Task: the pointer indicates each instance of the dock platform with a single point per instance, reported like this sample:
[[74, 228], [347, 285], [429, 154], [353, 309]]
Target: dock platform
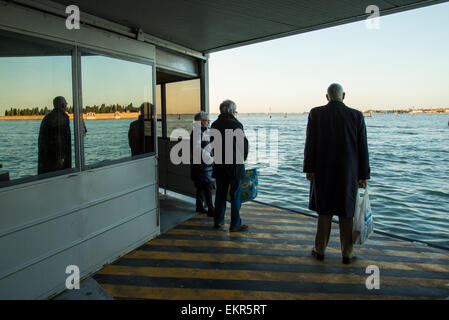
[[271, 261]]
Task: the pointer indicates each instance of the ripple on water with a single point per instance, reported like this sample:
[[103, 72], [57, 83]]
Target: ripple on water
[[409, 156], [409, 189]]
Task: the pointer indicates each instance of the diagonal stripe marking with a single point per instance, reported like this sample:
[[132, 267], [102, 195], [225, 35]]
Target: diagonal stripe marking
[[256, 275], [288, 260], [122, 291], [295, 247]]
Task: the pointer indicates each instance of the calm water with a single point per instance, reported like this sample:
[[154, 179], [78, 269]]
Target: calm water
[[409, 157]]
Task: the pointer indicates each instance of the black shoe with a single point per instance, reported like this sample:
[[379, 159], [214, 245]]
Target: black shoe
[[243, 227], [201, 210], [349, 260], [317, 255], [218, 226], [210, 213]]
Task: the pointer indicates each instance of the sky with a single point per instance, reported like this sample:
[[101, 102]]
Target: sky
[[403, 64], [30, 82]]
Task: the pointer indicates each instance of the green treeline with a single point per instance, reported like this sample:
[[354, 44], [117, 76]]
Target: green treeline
[[95, 109], [27, 112], [110, 109]]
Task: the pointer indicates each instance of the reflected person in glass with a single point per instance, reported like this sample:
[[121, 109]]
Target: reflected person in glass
[[138, 141], [55, 142]]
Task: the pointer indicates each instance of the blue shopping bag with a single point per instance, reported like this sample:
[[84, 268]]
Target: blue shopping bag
[[250, 186]]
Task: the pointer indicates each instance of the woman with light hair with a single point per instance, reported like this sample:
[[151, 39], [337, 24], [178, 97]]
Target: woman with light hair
[[201, 163]]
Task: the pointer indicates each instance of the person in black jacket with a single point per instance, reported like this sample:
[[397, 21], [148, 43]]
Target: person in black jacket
[[201, 163], [229, 167], [336, 163], [55, 139]]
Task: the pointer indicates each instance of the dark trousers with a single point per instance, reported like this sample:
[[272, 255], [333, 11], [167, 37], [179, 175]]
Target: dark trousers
[[204, 195], [236, 201], [324, 231]]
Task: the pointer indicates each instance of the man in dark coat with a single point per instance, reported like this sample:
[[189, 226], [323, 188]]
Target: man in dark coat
[[201, 163], [336, 162], [229, 167], [138, 141], [55, 139]]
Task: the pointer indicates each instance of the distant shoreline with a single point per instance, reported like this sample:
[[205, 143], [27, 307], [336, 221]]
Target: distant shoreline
[[89, 116], [135, 115]]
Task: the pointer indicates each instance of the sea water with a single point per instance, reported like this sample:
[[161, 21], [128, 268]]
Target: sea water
[[409, 158]]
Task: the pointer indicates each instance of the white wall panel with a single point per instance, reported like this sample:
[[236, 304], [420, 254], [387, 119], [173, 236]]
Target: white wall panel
[[110, 201], [56, 235], [31, 203], [48, 277], [126, 177]]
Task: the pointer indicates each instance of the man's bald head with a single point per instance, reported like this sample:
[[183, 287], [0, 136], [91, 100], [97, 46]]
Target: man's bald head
[[335, 92], [60, 103]]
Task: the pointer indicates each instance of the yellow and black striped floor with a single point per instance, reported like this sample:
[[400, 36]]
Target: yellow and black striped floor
[[271, 261]]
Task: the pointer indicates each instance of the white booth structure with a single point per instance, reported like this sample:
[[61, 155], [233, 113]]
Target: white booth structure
[[106, 203]]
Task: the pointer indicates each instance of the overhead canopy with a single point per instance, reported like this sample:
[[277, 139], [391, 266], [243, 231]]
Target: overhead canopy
[[212, 25]]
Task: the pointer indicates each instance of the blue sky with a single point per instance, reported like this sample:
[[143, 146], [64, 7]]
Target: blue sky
[[403, 64], [29, 82]]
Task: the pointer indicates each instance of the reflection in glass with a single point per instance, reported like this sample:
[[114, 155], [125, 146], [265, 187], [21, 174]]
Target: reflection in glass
[[113, 90], [183, 102], [55, 149], [140, 134], [32, 73]]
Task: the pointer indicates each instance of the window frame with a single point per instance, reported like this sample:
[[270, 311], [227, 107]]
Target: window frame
[[164, 120], [77, 167], [82, 50], [76, 67]]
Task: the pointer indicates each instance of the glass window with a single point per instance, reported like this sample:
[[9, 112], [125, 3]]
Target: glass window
[[36, 105], [118, 109], [183, 102]]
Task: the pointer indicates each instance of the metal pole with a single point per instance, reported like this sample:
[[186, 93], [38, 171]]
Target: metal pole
[[164, 110]]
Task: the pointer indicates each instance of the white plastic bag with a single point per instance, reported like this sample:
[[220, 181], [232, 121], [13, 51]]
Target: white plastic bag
[[363, 218]]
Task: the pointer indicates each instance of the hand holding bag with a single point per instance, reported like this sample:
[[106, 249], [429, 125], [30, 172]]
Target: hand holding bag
[[363, 218]]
